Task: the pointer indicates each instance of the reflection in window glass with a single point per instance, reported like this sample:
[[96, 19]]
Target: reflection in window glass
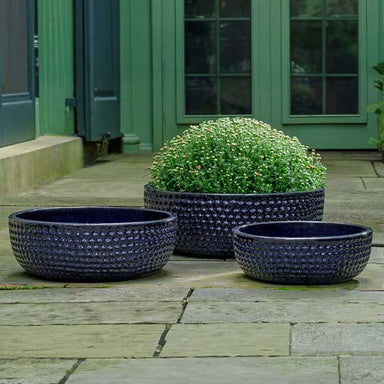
[[199, 8], [307, 8], [342, 95], [215, 49], [13, 45], [235, 47], [236, 95], [306, 96], [201, 95], [342, 54], [235, 8], [306, 46], [342, 8], [324, 57], [200, 47]]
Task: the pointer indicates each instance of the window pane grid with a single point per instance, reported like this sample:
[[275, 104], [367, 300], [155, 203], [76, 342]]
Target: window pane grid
[[230, 71], [301, 89]]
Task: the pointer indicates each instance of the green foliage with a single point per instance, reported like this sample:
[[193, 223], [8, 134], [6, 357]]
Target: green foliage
[[378, 107], [236, 155]]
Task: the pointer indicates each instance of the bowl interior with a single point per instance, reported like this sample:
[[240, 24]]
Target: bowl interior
[[302, 230], [92, 215]]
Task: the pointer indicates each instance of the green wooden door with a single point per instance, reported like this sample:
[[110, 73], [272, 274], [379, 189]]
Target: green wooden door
[[98, 68], [17, 71], [302, 65]]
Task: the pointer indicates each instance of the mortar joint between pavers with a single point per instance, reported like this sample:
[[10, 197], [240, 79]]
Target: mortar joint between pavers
[[162, 341], [71, 371], [185, 304]]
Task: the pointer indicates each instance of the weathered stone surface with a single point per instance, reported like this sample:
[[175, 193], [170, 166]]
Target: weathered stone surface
[[193, 273], [347, 168], [350, 155], [88, 295], [334, 339], [378, 238], [25, 371], [79, 341], [362, 370], [287, 311], [6, 211], [283, 293], [379, 168], [377, 255], [343, 185], [191, 340], [374, 184], [90, 313], [245, 370]]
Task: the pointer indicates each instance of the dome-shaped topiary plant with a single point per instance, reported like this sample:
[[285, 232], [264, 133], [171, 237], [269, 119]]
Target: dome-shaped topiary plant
[[236, 155]]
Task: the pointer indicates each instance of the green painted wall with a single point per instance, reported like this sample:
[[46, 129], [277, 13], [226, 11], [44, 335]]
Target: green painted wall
[[136, 75], [56, 66], [269, 94]]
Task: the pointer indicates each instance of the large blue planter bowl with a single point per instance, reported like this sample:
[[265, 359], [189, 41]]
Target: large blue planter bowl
[[302, 252], [206, 220], [92, 243]]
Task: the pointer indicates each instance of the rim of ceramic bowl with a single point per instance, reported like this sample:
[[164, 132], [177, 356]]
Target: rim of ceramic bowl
[[362, 231], [148, 187], [168, 216]]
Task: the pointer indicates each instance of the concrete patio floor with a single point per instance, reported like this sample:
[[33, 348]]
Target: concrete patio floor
[[198, 321]]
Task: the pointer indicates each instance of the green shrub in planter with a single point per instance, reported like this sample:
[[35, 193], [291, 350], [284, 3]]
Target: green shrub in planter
[[224, 173], [236, 155]]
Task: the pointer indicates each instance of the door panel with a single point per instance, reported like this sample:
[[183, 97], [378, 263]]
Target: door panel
[[17, 71], [98, 87]]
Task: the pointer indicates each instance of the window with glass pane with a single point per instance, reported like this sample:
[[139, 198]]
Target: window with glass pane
[[217, 37], [324, 57], [13, 45]]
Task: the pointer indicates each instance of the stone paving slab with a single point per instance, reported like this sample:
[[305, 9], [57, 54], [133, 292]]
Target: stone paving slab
[[342, 185], [377, 255], [90, 313], [227, 274], [364, 155], [283, 293], [362, 370], [379, 168], [245, 370], [286, 311], [196, 340], [374, 184], [335, 339], [79, 341], [108, 171], [91, 295], [194, 273], [5, 211], [347, 168], [26, 371]]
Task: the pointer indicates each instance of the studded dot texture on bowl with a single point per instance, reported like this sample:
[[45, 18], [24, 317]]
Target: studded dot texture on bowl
[[92, 243], [206, 220], [302, 252]]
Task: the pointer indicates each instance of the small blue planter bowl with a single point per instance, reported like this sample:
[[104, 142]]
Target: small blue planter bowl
[[92, 243], [302, 252]]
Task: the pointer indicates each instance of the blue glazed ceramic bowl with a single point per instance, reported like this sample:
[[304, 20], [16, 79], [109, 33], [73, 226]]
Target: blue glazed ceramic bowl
[[206, 220], [298, 252], [92, 243]]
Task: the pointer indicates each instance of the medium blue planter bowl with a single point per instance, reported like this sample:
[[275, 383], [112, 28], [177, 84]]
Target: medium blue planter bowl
[[92, 243], [302, 252]]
